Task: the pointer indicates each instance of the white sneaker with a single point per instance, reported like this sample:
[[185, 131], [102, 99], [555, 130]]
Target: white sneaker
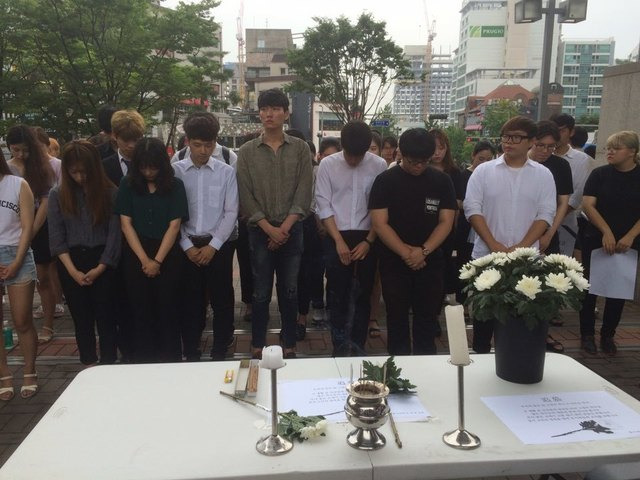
[[59, 311], [318, 315], [38, 312]]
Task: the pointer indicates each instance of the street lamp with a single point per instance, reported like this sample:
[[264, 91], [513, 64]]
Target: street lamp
[[529, 11]]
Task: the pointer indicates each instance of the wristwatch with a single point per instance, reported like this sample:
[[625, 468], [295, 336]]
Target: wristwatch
[[425, 251]]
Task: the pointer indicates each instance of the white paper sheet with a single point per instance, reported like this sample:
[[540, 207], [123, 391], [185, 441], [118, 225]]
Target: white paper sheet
[[613, 276], [565, 417], [325, 396]]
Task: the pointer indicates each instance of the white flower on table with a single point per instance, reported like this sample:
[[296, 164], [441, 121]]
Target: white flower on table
[[578, 280], [500, 258], [568, 262], [482, 261], [487, 279], [467, 271], [559, 282], [314, 431], [529, 286], [321, 427], [523, 252]]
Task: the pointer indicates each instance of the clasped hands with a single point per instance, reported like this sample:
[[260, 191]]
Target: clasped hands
[[346, 256], [201, 256], [86, 279], [278, 236], [610, 245], [414, 258]]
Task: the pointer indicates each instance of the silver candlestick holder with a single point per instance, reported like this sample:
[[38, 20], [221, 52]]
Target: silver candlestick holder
[[460, 437], [273, 444], [367, 410]]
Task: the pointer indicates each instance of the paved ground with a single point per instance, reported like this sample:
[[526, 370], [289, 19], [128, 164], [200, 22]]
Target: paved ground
[[58, 363]]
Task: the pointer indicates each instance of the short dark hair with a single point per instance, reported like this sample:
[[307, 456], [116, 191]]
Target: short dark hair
[[201, 126], [274, 97], [417, 143], [294, 132], [391, 140], [522, 123], [151, 152], [312, 147], [484, 145], [377, 139], [579, 137], [563, 120], [329, 142], [547, 127], [355, 137], [104, 117]]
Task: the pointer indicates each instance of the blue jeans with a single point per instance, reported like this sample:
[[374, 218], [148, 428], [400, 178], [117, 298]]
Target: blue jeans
[[285, 262]]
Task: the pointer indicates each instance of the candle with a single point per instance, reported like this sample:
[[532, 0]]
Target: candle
[[272, 357], [457, 333]]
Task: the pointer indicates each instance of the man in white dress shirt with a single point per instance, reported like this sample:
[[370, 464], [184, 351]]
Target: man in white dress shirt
[[343, 184], [510, 203], [581, 165], [212, 192]]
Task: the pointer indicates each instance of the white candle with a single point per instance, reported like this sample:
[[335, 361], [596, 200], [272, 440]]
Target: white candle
[[457, 333], [272, 357]]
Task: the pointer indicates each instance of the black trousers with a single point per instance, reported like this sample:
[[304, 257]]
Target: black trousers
[[155, 304], [123, 312], [244, 263], [91, 306], [612, 306], [310, 278], [213, 283], [420, 290]]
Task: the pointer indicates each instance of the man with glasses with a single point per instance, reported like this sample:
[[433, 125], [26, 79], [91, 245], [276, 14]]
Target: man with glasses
[[581, 165], [412, 211], [510, 203]]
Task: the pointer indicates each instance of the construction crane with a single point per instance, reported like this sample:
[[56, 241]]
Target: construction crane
[[431, 33], [241, 59]]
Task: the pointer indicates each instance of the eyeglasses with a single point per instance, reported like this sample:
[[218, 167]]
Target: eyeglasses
[[545, 146], [515, 139]]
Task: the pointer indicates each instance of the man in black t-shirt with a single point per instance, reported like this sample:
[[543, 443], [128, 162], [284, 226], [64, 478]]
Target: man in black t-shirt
[[412, 210], [541, 151]]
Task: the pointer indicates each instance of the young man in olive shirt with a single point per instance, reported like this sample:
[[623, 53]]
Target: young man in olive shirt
[[275, 180], [412, 211]]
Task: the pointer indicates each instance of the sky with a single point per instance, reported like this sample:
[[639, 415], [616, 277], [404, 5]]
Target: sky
[[406, 23]]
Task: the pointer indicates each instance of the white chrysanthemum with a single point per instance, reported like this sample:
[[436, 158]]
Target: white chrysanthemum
[[500, 258], [578, 280], [573, 264], [321, 427], [308, 432], [558, 281], [482, 261], [524, 252], [529, 286], [467, 271], [487, 279]]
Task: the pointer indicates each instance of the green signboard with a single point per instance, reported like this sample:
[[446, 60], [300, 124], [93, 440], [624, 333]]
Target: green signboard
[[485, 31]]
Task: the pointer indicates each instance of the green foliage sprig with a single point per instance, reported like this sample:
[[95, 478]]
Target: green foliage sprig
[[294, 427], [395, 383]]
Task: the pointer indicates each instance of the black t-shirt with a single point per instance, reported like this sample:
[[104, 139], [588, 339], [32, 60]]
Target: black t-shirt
[[457, 179], [617, 199], [561, 171], [413, 203], [464, 227]]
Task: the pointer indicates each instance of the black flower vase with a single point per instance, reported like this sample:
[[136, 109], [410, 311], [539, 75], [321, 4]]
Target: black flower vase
[[520, 351]]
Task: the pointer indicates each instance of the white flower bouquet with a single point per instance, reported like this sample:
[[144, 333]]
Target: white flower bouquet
[[523, 284]]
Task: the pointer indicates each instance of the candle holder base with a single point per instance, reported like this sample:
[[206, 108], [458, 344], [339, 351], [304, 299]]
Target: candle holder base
[[366, 439], [272, 445], [461, 439]]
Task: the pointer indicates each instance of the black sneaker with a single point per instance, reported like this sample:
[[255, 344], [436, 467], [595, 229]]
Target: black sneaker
[[608, 346], [301, 332], [588, 344]]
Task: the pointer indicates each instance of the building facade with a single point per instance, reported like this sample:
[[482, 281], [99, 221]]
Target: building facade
[[409, 96], [580, 70]]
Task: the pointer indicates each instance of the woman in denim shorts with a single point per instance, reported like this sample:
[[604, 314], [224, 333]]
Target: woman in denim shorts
[[18, 274]]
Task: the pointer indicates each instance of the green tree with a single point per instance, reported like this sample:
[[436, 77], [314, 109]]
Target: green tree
[[457, 141], [234, 98], [350, 67], [588, 119], [497, 114], [129, 53]]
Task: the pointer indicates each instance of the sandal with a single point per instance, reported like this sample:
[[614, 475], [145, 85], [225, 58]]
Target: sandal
[[553, 345], [6, 390], [374, 332], [46, 335], [28, 391]]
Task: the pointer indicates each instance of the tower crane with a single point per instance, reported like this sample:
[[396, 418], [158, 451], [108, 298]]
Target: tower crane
[[431, 33], [241, 58]]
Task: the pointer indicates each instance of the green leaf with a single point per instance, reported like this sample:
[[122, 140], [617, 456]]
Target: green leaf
[[395, 383]]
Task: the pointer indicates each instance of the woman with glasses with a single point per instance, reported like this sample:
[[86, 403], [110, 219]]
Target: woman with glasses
[[611, 201], [152, 204]]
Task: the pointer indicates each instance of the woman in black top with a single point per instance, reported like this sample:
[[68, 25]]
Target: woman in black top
[[611, 201], [152, 203], [84, 233]]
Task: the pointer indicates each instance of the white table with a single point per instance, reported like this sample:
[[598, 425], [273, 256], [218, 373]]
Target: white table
[[169, 422]]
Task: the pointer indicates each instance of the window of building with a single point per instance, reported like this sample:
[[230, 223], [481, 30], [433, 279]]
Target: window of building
[[260, 43]]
